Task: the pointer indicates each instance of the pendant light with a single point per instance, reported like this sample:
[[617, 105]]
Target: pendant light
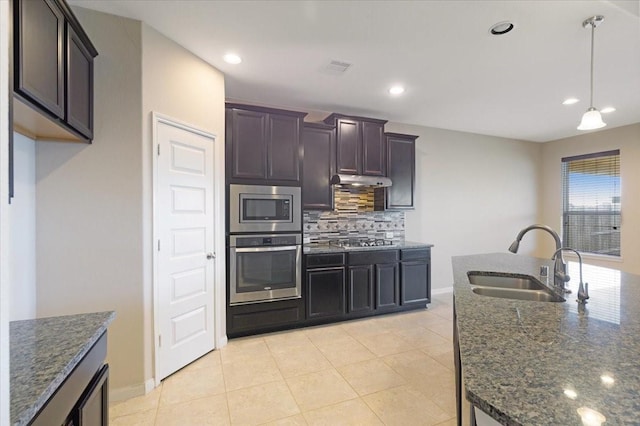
[[592, 119]]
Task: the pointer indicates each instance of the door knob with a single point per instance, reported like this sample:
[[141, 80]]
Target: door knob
[[210, 256]]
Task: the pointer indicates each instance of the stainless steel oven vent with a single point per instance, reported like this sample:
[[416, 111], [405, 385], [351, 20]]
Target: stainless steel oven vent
[[360, 180]]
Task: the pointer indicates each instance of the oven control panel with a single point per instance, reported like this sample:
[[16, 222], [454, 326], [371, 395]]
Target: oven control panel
[[265, 240]]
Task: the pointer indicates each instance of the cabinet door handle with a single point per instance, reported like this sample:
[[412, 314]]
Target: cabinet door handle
[[210, 256]]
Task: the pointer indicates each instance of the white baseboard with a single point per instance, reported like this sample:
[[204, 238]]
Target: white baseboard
[[222, 342], [442, 290], [121, 394]]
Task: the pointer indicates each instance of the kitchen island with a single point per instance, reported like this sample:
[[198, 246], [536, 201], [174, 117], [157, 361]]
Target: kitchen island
[[541, 363], [52, 361]]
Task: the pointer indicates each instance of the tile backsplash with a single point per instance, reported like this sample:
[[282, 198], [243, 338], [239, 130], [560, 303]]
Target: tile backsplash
[[354, 217]]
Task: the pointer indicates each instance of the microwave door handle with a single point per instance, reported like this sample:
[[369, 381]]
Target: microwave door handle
[[262, 249]]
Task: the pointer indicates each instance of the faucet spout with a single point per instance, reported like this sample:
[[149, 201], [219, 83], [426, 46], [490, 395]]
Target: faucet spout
[[583, 288], [560, 267], [516, 244]]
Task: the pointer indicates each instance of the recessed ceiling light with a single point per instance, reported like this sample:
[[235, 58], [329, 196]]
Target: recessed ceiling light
[[607, 110], [396, 90], [501, 28], [570, 101], [232, 58]]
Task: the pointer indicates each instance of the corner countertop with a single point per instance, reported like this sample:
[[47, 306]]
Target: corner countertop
[[43, 352], [519, 357], [329, 248]]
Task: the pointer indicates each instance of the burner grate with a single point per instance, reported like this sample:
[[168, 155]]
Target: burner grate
[[363, 242]]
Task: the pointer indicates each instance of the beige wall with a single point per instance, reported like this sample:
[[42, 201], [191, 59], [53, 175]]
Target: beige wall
[[89, 203], [94, 202], [473, 194], [179, 85], [22, 230], [627, 139]]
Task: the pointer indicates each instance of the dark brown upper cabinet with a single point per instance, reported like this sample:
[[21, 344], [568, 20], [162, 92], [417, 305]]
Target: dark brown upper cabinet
[[318, 165], [79, 84], [373, 155], [263, 145], [283, 147], [349, 147], [359, 145], [39, 54], [401, 165], [52, 72]]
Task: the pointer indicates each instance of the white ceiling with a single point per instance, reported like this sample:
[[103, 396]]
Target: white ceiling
[[457, 75]]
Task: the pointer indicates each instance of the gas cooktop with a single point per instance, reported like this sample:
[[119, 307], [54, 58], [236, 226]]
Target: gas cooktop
[[366, 242]]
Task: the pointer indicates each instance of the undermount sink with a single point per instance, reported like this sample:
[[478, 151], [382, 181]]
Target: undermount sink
[[511, 286], [497, 279], [509, 293]]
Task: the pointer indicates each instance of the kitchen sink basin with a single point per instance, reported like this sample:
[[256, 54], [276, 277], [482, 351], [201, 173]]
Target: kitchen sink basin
[[502, 280], [509, 293], [511, 286]]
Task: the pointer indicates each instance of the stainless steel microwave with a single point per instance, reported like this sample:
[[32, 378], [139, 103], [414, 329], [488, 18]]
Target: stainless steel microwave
[[258, 208]]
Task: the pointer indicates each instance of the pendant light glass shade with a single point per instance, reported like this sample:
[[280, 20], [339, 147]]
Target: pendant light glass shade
[[591, 120]]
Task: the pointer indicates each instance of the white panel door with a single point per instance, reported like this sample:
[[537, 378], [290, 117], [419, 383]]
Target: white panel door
[[185, 265]]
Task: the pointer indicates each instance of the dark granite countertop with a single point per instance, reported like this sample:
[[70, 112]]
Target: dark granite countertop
[[327, 248], [535, 363], [42, 354]]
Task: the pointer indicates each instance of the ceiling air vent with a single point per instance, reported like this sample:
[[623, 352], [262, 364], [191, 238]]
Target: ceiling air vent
[[336, 67]]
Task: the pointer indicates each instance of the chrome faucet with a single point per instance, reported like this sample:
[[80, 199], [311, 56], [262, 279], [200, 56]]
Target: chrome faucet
[[560, 267], [583, 289]]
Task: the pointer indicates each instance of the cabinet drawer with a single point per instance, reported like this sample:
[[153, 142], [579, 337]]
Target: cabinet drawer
[[372, 257], [410, 254], [324, 260], [256, 320]]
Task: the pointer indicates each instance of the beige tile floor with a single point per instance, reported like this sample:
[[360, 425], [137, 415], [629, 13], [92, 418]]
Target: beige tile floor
[[389, 370]]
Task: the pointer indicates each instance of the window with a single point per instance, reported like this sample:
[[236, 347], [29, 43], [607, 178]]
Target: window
[[591, 203]]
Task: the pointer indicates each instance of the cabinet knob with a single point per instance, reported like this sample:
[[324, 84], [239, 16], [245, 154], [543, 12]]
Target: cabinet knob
[[211, 256]]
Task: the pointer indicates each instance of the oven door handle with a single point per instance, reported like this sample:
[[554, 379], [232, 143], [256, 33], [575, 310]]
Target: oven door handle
[[263, 249]]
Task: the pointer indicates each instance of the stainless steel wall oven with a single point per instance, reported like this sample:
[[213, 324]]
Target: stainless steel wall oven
[[264, 268]]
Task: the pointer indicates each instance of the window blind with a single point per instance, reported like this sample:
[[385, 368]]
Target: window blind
[[591, 202]]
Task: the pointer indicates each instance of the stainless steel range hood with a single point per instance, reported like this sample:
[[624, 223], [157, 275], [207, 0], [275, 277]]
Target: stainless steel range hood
[[360, 180]]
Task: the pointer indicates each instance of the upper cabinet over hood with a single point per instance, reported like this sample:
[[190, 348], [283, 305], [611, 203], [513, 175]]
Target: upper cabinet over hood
[[360, 148]]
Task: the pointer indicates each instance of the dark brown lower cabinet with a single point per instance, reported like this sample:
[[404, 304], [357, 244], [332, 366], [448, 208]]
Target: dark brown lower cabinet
[[360, 285], [340, 286], [93, 408], [82, 399], [326, 292], [373, 281], [415, 273], [387, 286]]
